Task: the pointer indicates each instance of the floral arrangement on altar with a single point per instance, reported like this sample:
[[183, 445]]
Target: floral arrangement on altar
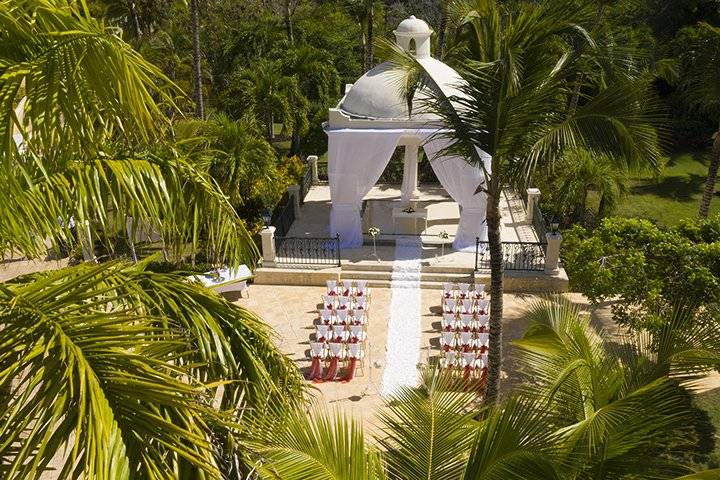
[[409, 210]]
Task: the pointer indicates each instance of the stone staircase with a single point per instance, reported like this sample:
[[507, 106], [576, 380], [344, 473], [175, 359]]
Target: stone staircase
[[379, 274]]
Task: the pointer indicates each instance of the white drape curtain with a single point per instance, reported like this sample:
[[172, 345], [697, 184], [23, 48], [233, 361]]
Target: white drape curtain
[[461, 180], [356, 160]]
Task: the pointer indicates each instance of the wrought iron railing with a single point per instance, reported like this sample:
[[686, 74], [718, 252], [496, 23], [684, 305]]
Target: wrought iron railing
[[307, 251], [539, 223], [284, 218], [528, 256], [306, 184]]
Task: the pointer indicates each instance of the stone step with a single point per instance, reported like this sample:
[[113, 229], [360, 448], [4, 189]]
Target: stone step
[[438, 278]]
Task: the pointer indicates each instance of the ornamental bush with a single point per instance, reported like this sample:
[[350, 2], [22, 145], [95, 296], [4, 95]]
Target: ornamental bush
[[645, 267]]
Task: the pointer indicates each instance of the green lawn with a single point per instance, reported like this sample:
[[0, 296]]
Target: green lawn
[[710, 402], [675, 195]]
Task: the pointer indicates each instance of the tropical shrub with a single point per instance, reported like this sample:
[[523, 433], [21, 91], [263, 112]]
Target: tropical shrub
[[644, 266]]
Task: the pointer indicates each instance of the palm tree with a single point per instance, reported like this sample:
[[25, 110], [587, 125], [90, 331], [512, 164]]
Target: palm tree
[[197, 73], [83, 153], [514, 107], [121, 367], [590, 409], [701, 65], [271, 95]]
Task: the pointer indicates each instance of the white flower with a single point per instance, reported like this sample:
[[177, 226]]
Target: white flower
[[374, 231], [444, 235]]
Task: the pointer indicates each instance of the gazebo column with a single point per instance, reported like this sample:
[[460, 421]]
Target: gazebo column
[[410, 174]]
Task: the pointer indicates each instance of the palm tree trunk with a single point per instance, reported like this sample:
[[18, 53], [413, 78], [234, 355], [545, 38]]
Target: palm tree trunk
[[712, 177], [288, 22], [370, 21], [197, 93], [496, 293], [441, 29], [135, 19]]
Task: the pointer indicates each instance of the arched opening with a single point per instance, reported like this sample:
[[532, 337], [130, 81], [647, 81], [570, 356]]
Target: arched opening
[[411, 47]]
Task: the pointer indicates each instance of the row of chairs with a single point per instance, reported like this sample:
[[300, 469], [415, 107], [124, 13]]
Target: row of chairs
[[467, 322], [343, 317], [340, 333], [465, 341], [347, 288], [463, 290], [466, 360], [467, 305], [337, 302]]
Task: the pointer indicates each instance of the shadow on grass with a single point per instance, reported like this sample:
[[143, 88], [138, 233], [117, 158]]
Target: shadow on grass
[[680, 188]]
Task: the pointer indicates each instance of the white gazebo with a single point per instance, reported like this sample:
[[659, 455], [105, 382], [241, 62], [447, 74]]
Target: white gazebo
[[372, 119]]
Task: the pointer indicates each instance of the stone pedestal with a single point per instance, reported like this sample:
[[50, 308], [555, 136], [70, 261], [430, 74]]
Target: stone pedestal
[[533, 196], [552, 255], [313, 164], [294, 197], [267, 236]]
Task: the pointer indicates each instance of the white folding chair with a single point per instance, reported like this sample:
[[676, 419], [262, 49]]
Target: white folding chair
[[450, 305], [466, 321], [467, 306], [336, 349], [339, 334], [483, 339], [447, 290], [347, 287], [317, 349], [342, 316], [326, 316], [479, 290], [482, 306], [484, 359], [343, 303], [321, 333], [331, 287], [329, 301], [448, 321], [359, 317], [361, 303], [469, 359], [357, 333], [464, 290], [448, 340], [483, 321], [466, 340], [356, 350], [450, 359], [360, 288]]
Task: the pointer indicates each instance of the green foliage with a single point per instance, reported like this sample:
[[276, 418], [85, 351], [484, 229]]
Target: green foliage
[[121, 366], [648, 267], [567, 185]]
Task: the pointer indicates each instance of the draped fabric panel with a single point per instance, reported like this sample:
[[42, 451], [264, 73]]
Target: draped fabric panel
[[461, 180], [356, 160]]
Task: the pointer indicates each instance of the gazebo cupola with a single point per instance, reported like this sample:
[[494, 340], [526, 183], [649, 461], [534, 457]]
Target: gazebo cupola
[[413, 35]]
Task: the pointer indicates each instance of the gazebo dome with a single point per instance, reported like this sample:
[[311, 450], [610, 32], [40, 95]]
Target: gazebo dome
[[376, 95], [413, 25]]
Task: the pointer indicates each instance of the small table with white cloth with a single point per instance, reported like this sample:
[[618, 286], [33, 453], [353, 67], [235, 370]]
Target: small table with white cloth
[[406, 222]]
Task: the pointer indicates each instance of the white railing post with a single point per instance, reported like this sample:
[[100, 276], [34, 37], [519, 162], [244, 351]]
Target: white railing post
[[552, 254], [533, 196], [267, 236], [312, 161], [294, 197]]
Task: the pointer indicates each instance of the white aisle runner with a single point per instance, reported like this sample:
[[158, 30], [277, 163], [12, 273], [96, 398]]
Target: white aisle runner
[[403, 341]]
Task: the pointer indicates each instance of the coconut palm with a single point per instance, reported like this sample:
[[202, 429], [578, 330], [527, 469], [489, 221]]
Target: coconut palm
[[111, 371], [514, 106], [197, 71], [701, 65], [84, 131], [270, 95]]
